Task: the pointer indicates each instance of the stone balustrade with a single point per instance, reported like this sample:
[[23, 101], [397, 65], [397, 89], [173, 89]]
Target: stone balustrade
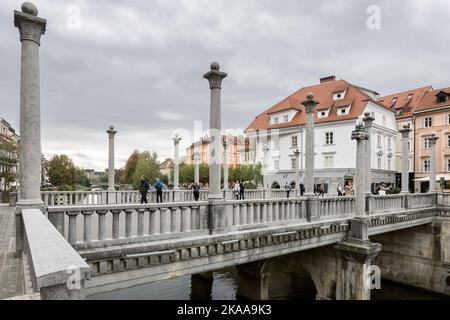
[[385, 204], [444, 199], [335, 207], [420, 200], [57, 271], [95, 225]]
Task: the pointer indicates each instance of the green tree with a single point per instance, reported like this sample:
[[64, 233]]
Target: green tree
[[130, 166], [80, 179], [8, 160], [61, 172], [148, 166]]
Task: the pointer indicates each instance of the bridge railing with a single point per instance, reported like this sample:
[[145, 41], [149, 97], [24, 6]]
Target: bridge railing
[[333, 207], [420, 200], [385, 204], [56, 270], [96, 224], [444, 199], [261, 212]]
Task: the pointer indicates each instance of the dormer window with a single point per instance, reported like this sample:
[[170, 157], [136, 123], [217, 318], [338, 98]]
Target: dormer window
[[398, 111], [285, 118], [343, 111], [410, 96], [324, 113], [394, 100], [338, 95], [442, 97]]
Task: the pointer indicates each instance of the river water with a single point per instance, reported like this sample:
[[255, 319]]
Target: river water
[[225, 287]]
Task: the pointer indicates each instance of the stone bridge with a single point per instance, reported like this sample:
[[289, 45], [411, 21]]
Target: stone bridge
[[123, 245]]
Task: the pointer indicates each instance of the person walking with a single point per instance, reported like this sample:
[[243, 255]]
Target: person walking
[[287, 187], [340, 190], [159, 190], [321, 190], [241, 191], [196, 190], [143, 189], [302, 189], [236, 189]]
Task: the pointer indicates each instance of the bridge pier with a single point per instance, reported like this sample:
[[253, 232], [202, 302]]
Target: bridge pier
[[201, 286], [418, 257]]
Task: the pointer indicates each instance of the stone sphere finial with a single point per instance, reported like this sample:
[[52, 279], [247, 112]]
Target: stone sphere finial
[[310, 96], [367, 114], [29, 8], [111, 128], [215, 66]]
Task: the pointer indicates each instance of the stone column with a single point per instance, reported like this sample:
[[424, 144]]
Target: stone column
[[433, 139], [31, 27], [368, 119], [297, 169], [111, 133], [310, 105], [197, 167], [176, 161], [265, 164], [405, 158], [225, 163], [215, 78], [360, 135]]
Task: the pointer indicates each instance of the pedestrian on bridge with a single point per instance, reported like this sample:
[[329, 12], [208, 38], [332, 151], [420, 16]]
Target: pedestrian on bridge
[[236, 190], [196, 190], [241, 190], [302, 189], [159, 190], [143, 189], [287, 187]]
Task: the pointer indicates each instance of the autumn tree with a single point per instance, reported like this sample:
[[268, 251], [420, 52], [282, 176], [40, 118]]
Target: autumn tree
[[61, 172]]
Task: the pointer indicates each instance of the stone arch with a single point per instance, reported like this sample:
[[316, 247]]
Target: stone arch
[[292, 184], [283, 278], [275, 185]]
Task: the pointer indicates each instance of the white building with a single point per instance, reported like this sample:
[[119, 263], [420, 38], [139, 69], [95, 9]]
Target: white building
[[282, 129]]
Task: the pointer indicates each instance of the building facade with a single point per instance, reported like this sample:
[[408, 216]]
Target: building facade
[[8, 157], [432, 117], [240, 150], [404, 104], [279, 133]]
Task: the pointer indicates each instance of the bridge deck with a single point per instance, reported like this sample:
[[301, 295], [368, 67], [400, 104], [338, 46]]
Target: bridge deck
[[11, 271]]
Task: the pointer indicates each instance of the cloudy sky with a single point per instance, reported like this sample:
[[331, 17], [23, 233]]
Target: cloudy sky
[[138, 64]]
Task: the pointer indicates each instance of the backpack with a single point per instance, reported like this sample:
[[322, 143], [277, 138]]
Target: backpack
[[158, 186]]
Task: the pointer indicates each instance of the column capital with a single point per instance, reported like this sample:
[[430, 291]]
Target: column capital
[[368, 119], [176, 139], [30, 26], [310, 103], [111, 132], [433, 139], [405, 131], [359, 133], [215, 76]]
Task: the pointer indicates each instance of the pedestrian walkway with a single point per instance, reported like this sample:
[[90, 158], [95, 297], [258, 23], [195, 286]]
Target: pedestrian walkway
[[11, 271]]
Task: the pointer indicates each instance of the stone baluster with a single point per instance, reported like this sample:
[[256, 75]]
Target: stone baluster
[[165, 220], [175, 220], [236, 221], [152, 228], [87, 230], [249, 213], [243, 214], [195, 218], [116, 223], [128, 223], [140, 226], [72, 226], [102, 224], [185, 219], [257, 213]]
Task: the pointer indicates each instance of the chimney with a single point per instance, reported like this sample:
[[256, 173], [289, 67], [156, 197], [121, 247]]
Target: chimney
[[328, 79]]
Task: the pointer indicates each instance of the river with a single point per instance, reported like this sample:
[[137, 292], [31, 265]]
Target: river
[[225, 287]]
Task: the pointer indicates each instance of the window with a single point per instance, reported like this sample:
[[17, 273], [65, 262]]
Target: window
[[448, 140], [294, 142], [441, 97], [379, 162], [276, 164], [448, 164], [293, 163], [398, 111], [276, 143], [427, 122], [410, 96], [394, 99], [329, 138], [328, 161], [409, 145], [426, 143], [448, 118], [342, 111], [426, 165], [275, 120], [379, 141], [286, 118]]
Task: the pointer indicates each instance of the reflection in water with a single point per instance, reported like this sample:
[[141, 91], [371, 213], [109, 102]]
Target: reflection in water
[[223, 285]]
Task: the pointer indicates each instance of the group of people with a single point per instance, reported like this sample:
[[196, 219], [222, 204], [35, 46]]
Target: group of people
[[145, 187], [238, 190], [346, 190]]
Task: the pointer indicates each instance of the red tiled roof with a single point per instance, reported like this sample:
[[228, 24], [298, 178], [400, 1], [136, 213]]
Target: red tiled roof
[[323, 92], [407, 105], [429, 100]]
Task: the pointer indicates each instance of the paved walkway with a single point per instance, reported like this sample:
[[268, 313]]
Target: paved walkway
[[11, 272]]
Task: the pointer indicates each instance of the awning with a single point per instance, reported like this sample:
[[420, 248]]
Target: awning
[[438, 177]]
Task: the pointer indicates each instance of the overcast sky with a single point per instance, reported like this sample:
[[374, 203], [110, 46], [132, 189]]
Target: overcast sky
[[138, 65]]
